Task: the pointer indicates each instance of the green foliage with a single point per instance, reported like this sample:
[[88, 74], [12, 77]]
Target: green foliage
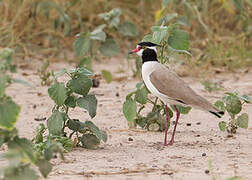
[[107, 75], [44, 74], [109, 48], [232, 103], [21, 152], [67, 95], [211, 86]]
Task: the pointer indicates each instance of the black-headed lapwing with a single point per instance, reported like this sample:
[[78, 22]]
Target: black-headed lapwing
[[168, 86]]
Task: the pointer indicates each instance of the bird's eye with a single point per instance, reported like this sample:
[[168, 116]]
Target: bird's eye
[[143, 47]]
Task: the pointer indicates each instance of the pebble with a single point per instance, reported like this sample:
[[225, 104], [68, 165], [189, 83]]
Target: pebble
[[203, 154], [130, 139], [188, 124], [207, 171]]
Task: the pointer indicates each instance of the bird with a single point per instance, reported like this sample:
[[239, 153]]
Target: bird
[[165, 84]]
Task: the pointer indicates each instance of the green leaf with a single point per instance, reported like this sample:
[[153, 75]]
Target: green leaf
[[66, 142], [246, 98], [70, 101], [24, 147], [22, 82], [80, 84], [20, 173], [129, 109], [58, 93], [182, 109], [82, 45], [6, 53], [141, 95], [242, 121], [98, 34], [128, 29], [147, 38], [179, 40], [60, 73], [220, 104], [109, 48], [75, 124], [182, 20], [89, 141], [3, 84], [222, 125], [85, 62], [159, 33], [55, 123], [45, 167], [166, 19], [107, 75], [89, 103], [101, 135], [8, 113], [233, 104]]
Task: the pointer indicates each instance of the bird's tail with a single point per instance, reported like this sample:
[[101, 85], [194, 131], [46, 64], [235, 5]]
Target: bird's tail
[[217, 113]]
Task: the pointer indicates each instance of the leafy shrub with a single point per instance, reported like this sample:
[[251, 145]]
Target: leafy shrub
[[232, 103]]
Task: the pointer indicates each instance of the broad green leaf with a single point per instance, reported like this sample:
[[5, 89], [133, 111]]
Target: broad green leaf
[[74, 124], [166, 19], [55, 123], [129, 109], [147, 38], [101, 135], [66, 142], [89, 141], [242, 121], [220, 104], [22, 82], [60, 73], [45, 167], [233, 104], [179, 40], [109, 48], [58, 93], [141, 95], [139, 85], [98, 34], [222, 125], [82, 71], [70, 101], [128, 29], [80, 84], [3, 84], [182, 109], [85, 62], [89, 103], [20, 173], [246, 98], [159, 33], [9, 111], [82, 45], [107, 75], [183, 21], [24, 147]]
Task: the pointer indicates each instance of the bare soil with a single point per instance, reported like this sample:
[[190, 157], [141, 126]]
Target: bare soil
[[198, 139]]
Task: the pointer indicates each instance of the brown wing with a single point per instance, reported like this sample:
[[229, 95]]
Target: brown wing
[[169, 83]]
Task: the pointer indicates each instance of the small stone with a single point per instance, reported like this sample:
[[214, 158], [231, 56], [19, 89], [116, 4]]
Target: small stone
[[117, 94], [188, 124], [207, 171], [203, 154], [34, 106], [96, 83], [198, 123], [130, 139], [197, 135]]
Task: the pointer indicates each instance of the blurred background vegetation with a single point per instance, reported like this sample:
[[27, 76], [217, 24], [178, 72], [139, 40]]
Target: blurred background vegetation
[[220, 30]]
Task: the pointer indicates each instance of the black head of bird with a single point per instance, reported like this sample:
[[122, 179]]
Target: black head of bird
[[146, 50]]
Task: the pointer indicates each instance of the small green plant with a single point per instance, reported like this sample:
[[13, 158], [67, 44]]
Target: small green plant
[[44, 74], [232, 103], [74, 93], [21, 153], [211, 86]]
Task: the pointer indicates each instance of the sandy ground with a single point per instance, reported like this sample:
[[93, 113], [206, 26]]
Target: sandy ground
[[144, 157]]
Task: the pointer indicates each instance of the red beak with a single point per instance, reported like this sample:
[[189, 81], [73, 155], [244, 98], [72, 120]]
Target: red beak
[[134, 51]]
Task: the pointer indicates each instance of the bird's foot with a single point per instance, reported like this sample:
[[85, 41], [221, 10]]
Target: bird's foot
[[168, 144]]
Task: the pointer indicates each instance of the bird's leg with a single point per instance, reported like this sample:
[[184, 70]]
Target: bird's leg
[[166, 124], [175, 126]]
